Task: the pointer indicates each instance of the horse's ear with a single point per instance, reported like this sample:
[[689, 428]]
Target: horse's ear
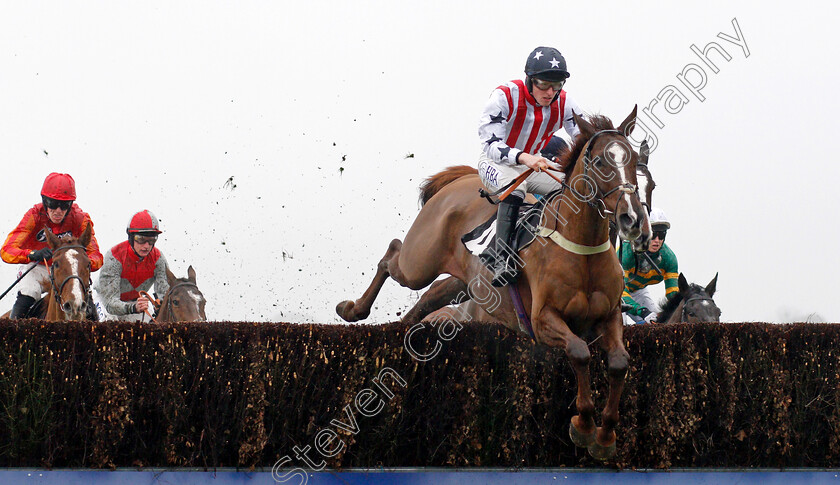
[[683, 284], [712, 286], [170, 278], [52, 239], [644, 153], [626, 126], [586, 128], [84, 239], [191, 274]]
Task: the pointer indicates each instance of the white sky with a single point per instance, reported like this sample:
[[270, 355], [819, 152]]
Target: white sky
[[154, 105]]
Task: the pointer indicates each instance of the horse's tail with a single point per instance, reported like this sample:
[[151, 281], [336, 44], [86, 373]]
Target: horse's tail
[[433, 184]]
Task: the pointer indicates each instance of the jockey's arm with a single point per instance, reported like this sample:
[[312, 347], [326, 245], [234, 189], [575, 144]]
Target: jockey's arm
[[635, 308], [92, 249], [569, 124], [108, 287], [536, 162], [492, 129], [672, 274], [161, 281], [13, 250]]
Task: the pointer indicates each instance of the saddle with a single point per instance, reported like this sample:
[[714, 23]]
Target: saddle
[[481, 241]]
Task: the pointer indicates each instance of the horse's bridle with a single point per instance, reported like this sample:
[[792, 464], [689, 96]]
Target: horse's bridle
[[57, 293], [693, 298], [646, 205], [168, 296], [596, 201]]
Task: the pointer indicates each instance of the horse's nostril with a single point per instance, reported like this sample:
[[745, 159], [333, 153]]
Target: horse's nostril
[[625, 219]]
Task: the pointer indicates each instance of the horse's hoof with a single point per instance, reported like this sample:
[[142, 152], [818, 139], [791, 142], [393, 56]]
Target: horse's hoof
[[600, 452], [346, 311], [344, 308], [583, 440]]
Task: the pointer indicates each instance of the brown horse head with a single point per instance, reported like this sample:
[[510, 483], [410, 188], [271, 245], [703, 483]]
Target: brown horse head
[[69, 277], [603, 168], [184, 302], [644, 178]]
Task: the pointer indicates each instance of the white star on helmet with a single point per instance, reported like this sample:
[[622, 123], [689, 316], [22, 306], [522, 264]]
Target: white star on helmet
[[554, 62], [537, 55]]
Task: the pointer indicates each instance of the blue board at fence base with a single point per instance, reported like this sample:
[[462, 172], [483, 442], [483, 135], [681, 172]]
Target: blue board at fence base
[[418, 477]]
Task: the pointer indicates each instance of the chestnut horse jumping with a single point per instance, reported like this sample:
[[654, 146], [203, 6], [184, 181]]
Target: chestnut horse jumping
[[571, 280], [471, 311]]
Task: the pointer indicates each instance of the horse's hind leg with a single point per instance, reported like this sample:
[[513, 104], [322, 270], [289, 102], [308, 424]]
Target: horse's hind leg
[[441, 293], [353, 311], [618, 360]]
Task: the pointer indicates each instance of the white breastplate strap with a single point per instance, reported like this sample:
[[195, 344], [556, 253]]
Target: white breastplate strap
[[571, 246]]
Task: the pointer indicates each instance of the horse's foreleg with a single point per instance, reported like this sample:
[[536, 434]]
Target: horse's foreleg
[[353, 311], [618, 361], [441, 293], [554, 332]]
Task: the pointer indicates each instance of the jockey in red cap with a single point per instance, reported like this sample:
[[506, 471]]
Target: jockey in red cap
[[27, 244], [130, 267]]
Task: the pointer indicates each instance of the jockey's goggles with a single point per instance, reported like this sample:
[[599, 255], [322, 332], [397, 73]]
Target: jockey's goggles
[[57, 204], [141, 240], [543, 85], [658, 234]]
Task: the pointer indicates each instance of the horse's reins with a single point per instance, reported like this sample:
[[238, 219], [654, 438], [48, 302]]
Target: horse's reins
[[167, 298], [155, 303], [57, 294]]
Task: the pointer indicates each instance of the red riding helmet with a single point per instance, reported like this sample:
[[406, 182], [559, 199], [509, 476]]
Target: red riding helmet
[[144, 222], [59, 186]]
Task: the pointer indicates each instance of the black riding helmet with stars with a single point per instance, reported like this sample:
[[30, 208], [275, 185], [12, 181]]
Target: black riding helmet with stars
[[546, 63]]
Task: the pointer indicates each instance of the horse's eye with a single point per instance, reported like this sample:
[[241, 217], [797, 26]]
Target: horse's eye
[[176, 302]]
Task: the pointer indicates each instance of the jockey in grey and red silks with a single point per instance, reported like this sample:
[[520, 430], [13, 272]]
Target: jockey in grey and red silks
[[126, 273]]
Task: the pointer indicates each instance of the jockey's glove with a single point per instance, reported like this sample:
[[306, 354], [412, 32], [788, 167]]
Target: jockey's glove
[[649, 316], [42, 254]]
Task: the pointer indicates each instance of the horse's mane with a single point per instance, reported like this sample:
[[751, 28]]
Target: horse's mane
[[570, 157], [670, 305], [433, 184]]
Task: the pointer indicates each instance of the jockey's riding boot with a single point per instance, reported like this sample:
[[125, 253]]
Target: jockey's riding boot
[[21, 307], [505, 269]]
